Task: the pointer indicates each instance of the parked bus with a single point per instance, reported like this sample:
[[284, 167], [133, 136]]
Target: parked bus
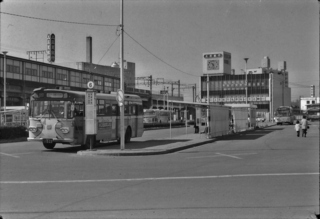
[[13, 116], [313, 111], [284, 114], [156, 116], [58, 116]]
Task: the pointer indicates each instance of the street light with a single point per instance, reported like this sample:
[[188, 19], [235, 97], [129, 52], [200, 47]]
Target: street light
[[5, 86], [246, 59]]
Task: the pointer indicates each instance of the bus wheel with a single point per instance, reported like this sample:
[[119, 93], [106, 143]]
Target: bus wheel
[[49, 145], [128, 135]]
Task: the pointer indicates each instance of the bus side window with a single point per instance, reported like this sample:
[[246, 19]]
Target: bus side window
[[100, 107], [140, 110], [108, 109], [134, 109], [126, 108], [115, 109]]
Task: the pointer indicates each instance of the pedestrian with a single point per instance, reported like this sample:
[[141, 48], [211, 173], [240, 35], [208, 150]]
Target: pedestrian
[[297, 128], [304, 126]]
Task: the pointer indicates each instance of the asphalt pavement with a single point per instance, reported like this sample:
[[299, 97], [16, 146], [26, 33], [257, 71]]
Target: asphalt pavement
[[142, 147]]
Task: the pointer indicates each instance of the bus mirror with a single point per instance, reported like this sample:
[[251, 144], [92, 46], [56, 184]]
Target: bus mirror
[[72, 107]]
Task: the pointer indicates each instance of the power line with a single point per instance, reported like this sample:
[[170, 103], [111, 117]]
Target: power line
[[68, 22], [159, 58], [108, 49]]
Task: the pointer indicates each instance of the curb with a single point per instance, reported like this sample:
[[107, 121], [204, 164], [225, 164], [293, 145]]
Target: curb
[[146, 151]]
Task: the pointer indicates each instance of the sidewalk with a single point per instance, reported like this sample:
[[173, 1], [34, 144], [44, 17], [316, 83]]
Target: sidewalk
[[141, 147]]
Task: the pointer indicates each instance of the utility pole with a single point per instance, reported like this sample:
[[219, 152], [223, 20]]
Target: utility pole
[[122, 146], [246, 59]]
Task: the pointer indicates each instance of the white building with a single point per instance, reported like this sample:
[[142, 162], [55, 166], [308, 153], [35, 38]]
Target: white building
[[304, 101]]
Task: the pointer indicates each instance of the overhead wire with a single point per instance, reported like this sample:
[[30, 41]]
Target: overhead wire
[[158, 57], [60, 21]]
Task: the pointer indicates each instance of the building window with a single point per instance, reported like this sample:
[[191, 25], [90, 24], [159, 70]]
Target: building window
[[116, 84], [62, 77], [46, 74], [13, 69], [75, 79], [98, 82], [31, 72], [108, 84]]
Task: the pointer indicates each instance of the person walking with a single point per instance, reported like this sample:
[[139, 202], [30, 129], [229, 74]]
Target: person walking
[[304, 126], [297, 128]]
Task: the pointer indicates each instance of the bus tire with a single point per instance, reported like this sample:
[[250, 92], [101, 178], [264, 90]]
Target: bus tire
[[49, 145], [128, 135]]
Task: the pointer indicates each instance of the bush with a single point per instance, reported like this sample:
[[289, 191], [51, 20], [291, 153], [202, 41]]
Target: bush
[[13, 132]]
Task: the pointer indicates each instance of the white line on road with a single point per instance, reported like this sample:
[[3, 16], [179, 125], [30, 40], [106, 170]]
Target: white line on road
[[157, 178], [9, 155], [219, 155]]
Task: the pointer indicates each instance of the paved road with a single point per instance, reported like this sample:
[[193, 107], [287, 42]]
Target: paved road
[[269, 173]]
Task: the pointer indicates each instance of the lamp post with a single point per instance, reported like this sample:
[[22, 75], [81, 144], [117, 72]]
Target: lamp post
[[246, 59], [5, 86], [208, 107]]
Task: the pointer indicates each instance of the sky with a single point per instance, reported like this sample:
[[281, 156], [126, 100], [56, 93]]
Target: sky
[[166, 38]]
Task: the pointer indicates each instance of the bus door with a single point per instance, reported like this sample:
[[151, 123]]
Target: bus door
[[78, 114], [135, 119], [104, 120]]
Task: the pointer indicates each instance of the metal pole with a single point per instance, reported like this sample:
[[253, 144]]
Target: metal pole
[[208, 103], [5, 86], [122, 145], [283, 78], [246, 59]]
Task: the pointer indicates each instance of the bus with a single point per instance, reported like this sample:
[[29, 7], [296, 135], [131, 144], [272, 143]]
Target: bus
[[313, 111], [156, 116], [284, 114], [13, 116], [58, 116]]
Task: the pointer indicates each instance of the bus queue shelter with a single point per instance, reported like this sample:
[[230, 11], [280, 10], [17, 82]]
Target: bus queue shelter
[[243, 116], [210, 119]]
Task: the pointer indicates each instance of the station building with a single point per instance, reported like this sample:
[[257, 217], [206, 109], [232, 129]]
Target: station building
[[24, 75], [267, 88]]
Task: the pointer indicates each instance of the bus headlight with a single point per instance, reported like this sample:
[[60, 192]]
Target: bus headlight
[[32, 129], [65, 130]]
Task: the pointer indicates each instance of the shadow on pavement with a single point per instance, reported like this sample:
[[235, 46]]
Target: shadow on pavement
[[141, 144], [248, 135], [114, 145]]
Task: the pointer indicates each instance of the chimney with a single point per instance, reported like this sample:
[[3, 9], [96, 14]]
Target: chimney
[[89, 49]]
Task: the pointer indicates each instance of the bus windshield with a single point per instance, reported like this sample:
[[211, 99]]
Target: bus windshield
[[283, 112], [149, 113], [51, 109]]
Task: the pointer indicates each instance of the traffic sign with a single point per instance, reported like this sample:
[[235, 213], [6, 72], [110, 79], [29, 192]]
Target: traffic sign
[[120, 97]]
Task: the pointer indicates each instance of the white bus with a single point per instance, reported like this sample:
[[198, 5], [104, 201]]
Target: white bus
[[58, 116], [156, 116], [13, 116]]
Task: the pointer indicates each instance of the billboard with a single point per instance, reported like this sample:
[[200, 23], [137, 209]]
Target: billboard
[[216, 63]]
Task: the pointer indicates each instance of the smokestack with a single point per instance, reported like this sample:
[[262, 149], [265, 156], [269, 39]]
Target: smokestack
[[89, 49]]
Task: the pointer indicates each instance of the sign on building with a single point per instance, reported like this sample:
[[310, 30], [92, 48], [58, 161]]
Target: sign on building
[[216, 63], [51, 47]]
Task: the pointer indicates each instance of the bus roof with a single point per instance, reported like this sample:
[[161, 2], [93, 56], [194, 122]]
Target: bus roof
[[82, 93]]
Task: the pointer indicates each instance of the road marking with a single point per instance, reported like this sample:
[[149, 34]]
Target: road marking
[[157, 178], [9, 155], [219, 155]]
